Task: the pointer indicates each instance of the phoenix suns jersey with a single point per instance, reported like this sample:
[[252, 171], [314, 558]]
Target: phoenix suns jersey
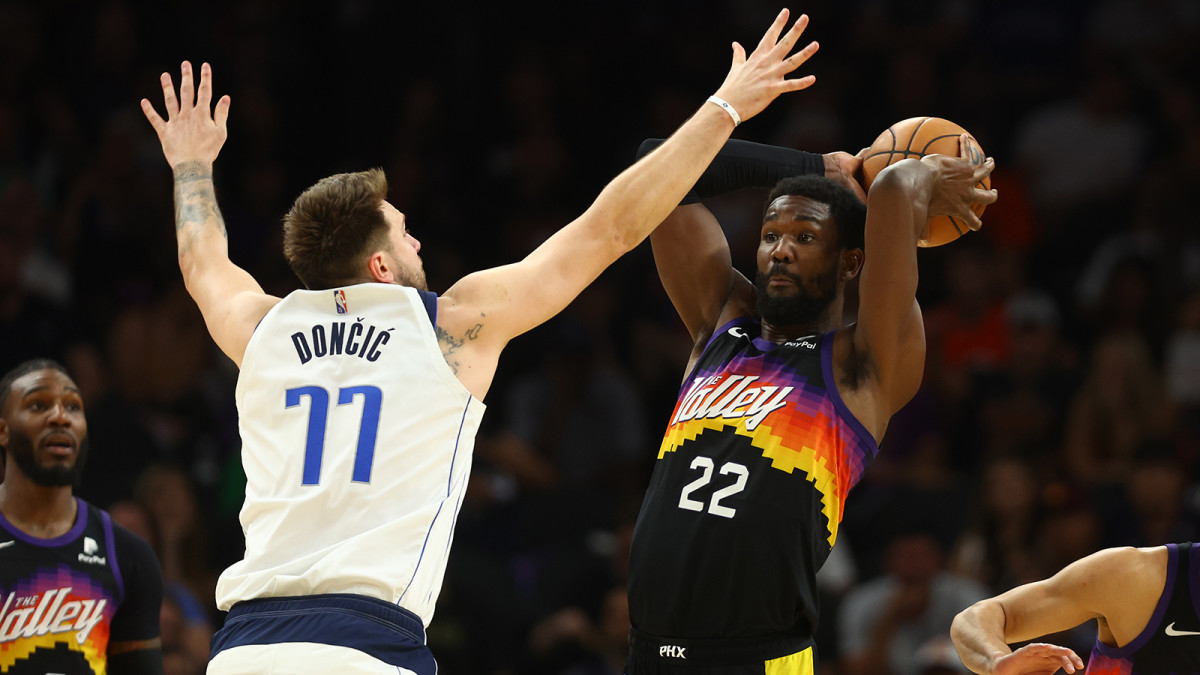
[[1170, 642], [746, 496], [356, 441], [63, 600]]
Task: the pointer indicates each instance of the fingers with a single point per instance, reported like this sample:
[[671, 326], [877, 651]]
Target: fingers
[[793, 36], [771, 37], [222, 113], [739, 54], [186, 88], [799, 83], [795, 60], [169, 95], [984, 170], [204, 93], [152, 116]]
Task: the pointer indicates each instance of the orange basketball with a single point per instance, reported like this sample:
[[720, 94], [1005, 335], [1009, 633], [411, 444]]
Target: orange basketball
[[917, 137]]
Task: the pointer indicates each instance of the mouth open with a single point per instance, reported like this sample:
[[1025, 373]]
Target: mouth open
[[59, 445]]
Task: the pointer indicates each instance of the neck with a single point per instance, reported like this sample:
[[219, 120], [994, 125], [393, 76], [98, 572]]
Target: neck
[[830, 319], [43, 512]]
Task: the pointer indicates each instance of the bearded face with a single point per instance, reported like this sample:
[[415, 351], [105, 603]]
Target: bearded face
[[801, 302], [44, 471]]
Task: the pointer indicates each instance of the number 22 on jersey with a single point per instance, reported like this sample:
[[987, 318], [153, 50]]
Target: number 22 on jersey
[[715, 506]]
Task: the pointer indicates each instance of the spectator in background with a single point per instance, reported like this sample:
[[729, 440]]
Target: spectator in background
[[1120, 404], [884, 623], [996, 548]]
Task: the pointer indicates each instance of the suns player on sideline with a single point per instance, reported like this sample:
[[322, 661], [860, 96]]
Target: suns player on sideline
[[359, 398], [782, 405], [1143, 601], [78, 593]]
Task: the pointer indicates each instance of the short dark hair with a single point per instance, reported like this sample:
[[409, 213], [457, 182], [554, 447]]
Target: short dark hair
[[848, 211], [333, 225], [22, 370]]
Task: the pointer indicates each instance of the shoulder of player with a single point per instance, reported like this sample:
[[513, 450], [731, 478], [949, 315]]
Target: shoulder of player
[[1120, 572], [132, 549]]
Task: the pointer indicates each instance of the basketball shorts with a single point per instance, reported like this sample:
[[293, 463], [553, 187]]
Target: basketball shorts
[[784, 654], [335, 633]]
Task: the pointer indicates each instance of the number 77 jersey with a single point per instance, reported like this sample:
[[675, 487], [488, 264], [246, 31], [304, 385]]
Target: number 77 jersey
[[356, 441], [745, 500]]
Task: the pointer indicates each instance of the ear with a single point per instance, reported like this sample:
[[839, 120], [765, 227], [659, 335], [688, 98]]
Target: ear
[[3, 434], [379, 268], [852, 263]]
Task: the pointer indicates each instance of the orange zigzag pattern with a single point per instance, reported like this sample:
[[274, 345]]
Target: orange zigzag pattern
[[782, 457]]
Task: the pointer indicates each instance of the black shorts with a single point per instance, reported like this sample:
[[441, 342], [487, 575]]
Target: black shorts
[[784, 654]]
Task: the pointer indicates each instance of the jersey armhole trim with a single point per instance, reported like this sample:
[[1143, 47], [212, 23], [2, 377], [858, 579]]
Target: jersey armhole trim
[[429, 298], [1155, 619], [110, 544], [831, 389], [732, 323]]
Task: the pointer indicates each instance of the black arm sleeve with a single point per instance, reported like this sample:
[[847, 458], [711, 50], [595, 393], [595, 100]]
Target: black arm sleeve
[[743, 164]]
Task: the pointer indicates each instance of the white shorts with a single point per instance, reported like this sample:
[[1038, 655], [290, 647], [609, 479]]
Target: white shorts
[[298, 657]]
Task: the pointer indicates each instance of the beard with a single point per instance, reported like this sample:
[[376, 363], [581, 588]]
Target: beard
[[812, 298], [20, 450]]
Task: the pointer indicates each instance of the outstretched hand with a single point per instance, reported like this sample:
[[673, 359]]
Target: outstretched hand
[[192, 132], [754, 81], [957, 186], [1038, 658]]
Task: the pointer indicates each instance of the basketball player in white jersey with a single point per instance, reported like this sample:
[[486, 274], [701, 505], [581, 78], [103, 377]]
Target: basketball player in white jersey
[[359, 398]]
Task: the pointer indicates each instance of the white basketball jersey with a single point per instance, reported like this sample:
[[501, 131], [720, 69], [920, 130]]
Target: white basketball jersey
[[357, 442]]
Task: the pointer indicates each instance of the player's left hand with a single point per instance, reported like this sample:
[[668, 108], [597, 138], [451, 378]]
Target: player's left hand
[[192, 132], [846, 169]]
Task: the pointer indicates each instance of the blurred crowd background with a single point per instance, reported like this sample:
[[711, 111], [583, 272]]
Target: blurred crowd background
[[1060, 412]]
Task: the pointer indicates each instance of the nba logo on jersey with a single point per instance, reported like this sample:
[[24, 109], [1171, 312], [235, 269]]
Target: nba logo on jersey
[[339, 299]]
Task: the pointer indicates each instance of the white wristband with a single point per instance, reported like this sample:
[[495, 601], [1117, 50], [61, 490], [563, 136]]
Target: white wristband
[[737, 119]]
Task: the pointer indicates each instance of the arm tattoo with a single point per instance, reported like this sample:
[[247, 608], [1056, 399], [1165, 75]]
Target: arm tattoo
[[451, 344], [195, 203]]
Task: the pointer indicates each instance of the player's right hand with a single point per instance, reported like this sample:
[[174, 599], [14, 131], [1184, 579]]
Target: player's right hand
[[754, 81], [956, 184], [192, 131], [1038, 658]]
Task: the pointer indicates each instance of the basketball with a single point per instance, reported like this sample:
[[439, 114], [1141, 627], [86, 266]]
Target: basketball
[[917, 137]]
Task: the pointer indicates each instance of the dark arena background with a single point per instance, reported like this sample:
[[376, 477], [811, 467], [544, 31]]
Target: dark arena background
[[1060, 411]]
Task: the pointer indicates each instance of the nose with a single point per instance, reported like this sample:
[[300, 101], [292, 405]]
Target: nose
[[416, 243], [782, 250], [59, 415]]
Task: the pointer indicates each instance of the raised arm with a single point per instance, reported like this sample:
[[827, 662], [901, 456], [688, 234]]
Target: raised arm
[[889, 338], [483, 311], [230, 300], [1118, 587]]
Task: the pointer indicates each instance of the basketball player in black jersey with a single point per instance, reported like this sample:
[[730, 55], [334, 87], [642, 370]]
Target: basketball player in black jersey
[[1146, 603], [79, 594], [783, 405]]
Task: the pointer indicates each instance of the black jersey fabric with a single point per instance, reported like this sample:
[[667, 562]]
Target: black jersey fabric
[[63, 600], [746, 496]]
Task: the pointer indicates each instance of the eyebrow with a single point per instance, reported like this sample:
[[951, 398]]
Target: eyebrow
[[41, 388]]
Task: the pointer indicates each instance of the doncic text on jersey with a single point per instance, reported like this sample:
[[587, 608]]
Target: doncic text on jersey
[[355, 339]]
